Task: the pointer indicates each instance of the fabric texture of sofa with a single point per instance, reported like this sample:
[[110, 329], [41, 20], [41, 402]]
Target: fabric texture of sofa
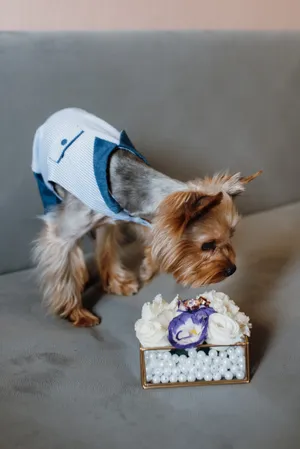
[[193, 103]]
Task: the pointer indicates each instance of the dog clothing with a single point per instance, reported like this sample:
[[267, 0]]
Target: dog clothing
[[72, 149]]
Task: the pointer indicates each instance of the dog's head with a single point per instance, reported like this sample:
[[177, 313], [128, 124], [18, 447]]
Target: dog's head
[[193, 228]]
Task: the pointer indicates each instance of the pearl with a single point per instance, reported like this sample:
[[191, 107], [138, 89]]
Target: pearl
[[222, 355], [161, 364], [206, 369], [183, 368], [175, 372], [175, 358], [192, 352], [149, 377], [167, 372], [189, 362], [228, 375], [191, 378], [169, 364], [239, 351], [152, 355], [242, 360], [199, 375], [208, 377], [217, 376], [223, 370], [182, 378], [230, 351], [198, 363], [164, 379], [232, 357], [193, 370], [173, 378], [226, 363], [160, 354], [182, 358], [214, 369], [201, 355], [234, 368], [213, 353], [156, 379], [240, 375], [167, 356], [158, 371]]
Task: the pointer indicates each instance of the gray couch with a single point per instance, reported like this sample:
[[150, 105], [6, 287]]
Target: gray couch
[[194, 103]]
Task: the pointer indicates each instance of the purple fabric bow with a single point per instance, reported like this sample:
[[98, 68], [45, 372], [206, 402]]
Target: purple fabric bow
[[189, 329]]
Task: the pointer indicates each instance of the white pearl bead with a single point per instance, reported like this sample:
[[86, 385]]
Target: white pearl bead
[[182, 358], [175, 358], [189, 362], [149, 377], [206, 369], [208, 377], [233, 357], [239, 351], [175, 372], [173, 378], [213, 353], [158, 371], [152, 355], [199, 375], [201, 355], [226, 363], [191, 378], [222, 354], [241, 360], [230, 351], [192, 352], [156, 379], [223, 370], [167, 356], [161, 364], [182, 378], [164, 379], [198, 363], [214, 369], [234, 368], [217, 376], [192, 370], [240, 375], [183, 368], [167, 372], [228, 375]]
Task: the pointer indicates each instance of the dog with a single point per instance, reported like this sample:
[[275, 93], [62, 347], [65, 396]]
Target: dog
[[91, 178]]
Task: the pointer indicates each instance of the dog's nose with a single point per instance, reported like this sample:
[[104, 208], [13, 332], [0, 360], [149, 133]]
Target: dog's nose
[[230, 270]]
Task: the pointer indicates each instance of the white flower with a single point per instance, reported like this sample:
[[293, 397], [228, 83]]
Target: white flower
[[223, 330], [151, 333], [221, 303], [152, 328]]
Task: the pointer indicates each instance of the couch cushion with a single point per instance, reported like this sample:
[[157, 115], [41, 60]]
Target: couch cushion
[[62, 387], [216, 100]]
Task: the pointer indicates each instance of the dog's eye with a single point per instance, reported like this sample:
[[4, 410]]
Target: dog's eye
[[209, 246]]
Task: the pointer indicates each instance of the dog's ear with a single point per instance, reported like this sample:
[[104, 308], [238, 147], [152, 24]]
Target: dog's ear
[[180, 208], [235, 184]]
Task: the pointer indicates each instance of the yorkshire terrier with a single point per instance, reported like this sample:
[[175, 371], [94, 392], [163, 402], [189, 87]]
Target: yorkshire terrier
[[91, 178]]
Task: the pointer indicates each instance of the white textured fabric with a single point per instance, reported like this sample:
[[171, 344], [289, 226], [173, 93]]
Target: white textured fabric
[[63, 153]]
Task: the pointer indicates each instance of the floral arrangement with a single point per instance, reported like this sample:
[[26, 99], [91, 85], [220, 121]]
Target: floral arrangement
[[211, 318]]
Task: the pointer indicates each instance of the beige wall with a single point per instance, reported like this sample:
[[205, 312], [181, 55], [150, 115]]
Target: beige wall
[[148, 14]]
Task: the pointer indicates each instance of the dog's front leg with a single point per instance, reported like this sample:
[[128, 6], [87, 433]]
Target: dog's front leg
[[115, 277]]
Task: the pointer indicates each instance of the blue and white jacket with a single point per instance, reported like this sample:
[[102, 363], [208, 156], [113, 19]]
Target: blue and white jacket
[[72, 149]]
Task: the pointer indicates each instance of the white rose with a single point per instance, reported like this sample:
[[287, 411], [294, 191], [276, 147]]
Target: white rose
[[223, 330], [151, 333], [244, 323], [217, 300], [152, 328]]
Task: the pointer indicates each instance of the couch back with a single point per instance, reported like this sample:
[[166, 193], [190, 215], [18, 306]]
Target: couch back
[[193, 102]]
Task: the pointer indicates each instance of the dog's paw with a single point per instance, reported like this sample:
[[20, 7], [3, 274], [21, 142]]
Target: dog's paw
[[124, 285], [83, 318]]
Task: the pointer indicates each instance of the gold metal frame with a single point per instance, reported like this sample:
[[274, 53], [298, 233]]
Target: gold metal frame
[[198, 383]]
